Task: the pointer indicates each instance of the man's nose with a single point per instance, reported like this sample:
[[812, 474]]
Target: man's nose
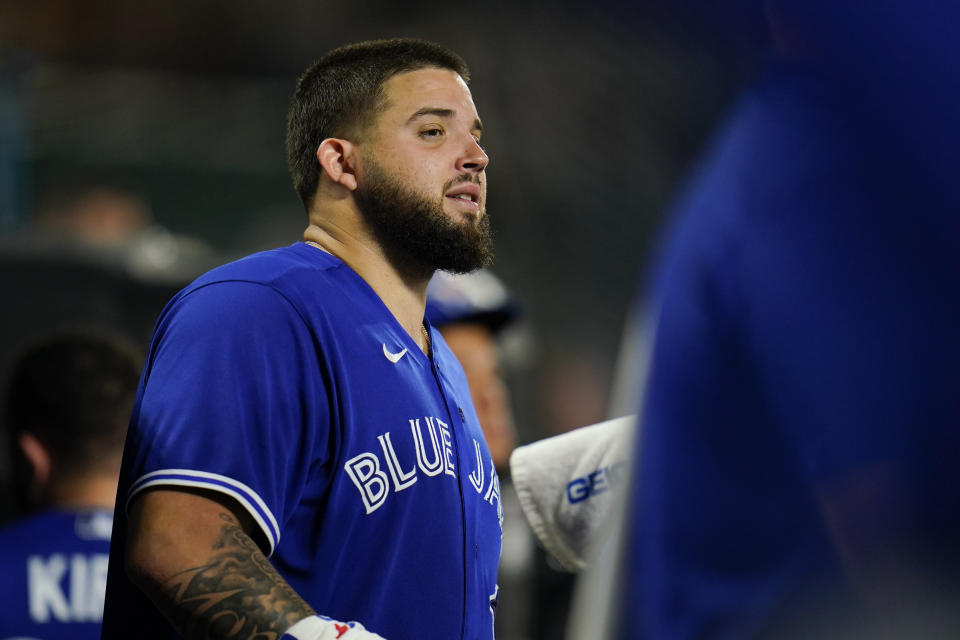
[[473, 158]]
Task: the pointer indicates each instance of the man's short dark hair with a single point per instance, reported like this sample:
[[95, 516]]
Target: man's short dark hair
[[74, 391], [340, 94]]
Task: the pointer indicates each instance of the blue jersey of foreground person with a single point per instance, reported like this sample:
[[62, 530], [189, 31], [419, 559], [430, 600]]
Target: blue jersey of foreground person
[[800, 457], [355, 453]]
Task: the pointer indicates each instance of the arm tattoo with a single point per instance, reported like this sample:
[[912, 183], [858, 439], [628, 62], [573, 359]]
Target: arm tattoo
[[237, 594]]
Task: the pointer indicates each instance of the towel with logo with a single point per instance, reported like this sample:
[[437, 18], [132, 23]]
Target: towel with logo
[[567, 486]]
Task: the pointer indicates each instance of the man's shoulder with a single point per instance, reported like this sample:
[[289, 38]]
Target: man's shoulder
[[274, 267], [297, 285], [299, 273], [55, 530]]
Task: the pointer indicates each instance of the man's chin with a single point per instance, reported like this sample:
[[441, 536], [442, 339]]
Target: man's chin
[[467, 218]]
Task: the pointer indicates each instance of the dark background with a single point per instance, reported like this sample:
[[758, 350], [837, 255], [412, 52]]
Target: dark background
[[592, 113]]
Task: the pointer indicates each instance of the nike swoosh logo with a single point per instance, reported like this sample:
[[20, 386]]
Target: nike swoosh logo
[[393, 357]]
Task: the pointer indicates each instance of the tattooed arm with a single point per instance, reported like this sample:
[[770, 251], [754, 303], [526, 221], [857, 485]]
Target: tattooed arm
[[193, 555]]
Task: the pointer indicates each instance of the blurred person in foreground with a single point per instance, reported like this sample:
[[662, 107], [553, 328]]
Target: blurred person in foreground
[[67, 409], [296, 406], [800, 461]]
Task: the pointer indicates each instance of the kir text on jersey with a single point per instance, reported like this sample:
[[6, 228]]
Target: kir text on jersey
[[66, 587]]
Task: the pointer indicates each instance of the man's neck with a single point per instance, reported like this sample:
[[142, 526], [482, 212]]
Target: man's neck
[[403, 293], [90, 491]]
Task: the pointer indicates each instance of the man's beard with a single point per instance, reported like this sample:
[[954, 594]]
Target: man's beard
[[416, 233]]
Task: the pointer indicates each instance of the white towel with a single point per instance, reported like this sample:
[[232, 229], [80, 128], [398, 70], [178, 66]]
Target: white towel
[[567, 484]]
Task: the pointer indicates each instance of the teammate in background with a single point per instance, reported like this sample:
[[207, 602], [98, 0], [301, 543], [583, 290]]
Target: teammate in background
[[101, 215], [296, 406], [67, 410], [102, 222]]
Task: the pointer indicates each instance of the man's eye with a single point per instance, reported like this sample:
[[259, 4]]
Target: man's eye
[[432, 133]]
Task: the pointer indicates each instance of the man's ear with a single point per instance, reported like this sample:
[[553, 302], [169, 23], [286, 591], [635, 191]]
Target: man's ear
[[338, 158], [38, 456]]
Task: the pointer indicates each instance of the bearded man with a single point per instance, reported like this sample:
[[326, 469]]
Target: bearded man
[[303, 450]]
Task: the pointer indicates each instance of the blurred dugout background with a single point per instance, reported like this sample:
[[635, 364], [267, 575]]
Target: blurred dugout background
[[592, 112]]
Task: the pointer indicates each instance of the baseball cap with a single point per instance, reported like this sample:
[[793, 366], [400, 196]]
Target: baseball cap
[[476, 298]]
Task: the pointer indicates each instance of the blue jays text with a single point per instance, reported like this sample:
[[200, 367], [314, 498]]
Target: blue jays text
[[368, 475]]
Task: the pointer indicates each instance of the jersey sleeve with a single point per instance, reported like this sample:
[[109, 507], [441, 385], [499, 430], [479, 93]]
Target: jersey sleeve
[[232, 401]]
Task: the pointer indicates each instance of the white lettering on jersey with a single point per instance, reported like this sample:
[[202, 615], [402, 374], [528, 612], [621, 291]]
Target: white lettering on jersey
[[98, 585], [43, 580], [365, 472], [78, 579], [368, 476], [401, 479], [94, 526], [87, 581], [448, 466], [476, 476], [429, 468], [493, 489], [493, 493]]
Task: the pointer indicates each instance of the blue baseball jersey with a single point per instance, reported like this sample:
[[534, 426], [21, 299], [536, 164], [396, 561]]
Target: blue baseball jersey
[[284, 382], [806, 346], [54, 572]]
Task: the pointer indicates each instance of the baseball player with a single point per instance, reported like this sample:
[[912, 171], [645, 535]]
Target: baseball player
[[67, 410], [304, 459]]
